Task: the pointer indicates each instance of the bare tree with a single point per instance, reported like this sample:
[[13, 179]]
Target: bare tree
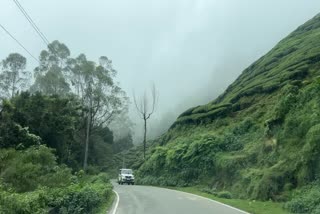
[[145, 111]]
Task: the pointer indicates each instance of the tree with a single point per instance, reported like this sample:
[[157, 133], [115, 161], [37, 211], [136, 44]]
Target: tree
[[13, 75], [54, 119], [145, 112], [100, 152], [12, 134], [101, 96], [122, 144], [121, 127], [51, 76], [71, 101]]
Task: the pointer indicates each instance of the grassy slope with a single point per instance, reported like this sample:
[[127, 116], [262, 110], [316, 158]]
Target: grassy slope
[[258, 139], [293, 59]]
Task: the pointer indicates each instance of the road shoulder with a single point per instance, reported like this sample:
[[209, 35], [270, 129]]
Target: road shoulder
[[246, 206], [113, 208]]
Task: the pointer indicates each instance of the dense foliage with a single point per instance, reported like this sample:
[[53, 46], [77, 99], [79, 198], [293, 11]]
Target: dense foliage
[[32, 182], [56, 122], [56, 128]]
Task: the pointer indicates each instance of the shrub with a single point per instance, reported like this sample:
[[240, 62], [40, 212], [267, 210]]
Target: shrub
[[224, 194], [27, 169], [24, 203], [211, 191], [306, 200], [78, 198], [92, 170]]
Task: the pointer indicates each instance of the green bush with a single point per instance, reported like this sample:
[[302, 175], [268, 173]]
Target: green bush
[[92, 170], [306, 200], [25, 170], [224, 194], [78, 198], [31, 181], [23, 203], [211, 191]]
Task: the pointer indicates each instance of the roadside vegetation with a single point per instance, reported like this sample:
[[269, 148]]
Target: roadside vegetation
[[56, 142], [250, 206], [41, 186]]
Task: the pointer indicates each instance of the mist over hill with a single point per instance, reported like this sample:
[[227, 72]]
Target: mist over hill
[[259, 138]]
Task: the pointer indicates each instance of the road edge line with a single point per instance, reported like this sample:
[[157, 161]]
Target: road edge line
[[115, 207], [209, 199]]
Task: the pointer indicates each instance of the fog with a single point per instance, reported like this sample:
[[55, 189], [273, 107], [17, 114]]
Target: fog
[[191, 50]]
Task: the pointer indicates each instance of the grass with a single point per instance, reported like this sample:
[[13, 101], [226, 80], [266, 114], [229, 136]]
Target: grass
[[254, 207], [105, 207]]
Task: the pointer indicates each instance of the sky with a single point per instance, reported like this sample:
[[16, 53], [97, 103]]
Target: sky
[[190, 49]]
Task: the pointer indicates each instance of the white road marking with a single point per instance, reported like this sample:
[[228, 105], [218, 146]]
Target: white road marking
[[117, 203], [208, 200]]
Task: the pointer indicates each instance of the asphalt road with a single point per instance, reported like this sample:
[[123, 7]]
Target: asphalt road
[[154, 200]]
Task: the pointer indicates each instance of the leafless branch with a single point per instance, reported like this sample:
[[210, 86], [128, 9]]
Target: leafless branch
[[142, 105], [144, 111], [139, 108]]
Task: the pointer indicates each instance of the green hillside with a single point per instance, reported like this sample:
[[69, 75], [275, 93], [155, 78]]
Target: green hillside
[[260, 139]]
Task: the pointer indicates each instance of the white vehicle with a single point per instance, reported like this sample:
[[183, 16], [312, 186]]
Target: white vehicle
[[126, 176]]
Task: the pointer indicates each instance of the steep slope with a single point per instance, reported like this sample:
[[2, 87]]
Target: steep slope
[[261, 138], [292, 60]]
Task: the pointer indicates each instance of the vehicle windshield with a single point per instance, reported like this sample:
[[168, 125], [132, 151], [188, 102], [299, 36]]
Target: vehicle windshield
[[126, 171]]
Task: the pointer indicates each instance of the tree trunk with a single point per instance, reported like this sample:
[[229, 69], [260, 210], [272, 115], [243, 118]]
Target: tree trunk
[[85, 162], [13, 84], [144, 138]]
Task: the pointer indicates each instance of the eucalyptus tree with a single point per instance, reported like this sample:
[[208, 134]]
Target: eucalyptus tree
[[93, 83], [52, 74], [104, 99], [13, 75]]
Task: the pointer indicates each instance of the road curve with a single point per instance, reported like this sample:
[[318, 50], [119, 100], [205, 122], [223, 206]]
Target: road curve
[[154, 200]]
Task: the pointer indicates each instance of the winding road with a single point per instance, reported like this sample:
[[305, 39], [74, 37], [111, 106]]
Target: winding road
[[154, 200]]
